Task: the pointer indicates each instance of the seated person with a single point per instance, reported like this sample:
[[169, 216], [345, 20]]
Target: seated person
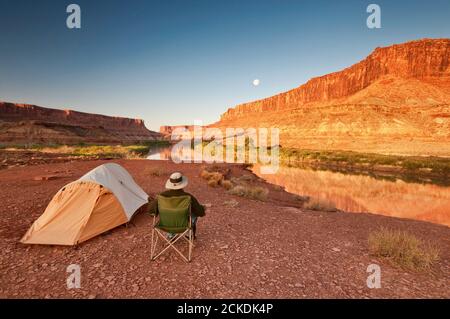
[[175, 187]]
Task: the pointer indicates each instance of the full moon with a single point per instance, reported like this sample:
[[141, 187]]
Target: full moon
[[256, 82]]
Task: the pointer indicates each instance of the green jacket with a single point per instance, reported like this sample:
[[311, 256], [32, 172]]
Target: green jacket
[[197, 209]]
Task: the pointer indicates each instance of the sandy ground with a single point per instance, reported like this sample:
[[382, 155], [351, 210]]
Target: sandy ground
[[256, 249]]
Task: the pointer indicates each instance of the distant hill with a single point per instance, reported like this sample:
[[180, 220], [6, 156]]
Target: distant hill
[[397, 100], [23, 123]]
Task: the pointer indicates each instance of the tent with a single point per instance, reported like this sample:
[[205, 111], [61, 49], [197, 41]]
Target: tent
[[104, 198]]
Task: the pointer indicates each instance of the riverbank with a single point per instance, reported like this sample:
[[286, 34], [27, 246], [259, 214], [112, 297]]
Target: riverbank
[[425, 169], [24, 155], [245, 249], [422, 169]]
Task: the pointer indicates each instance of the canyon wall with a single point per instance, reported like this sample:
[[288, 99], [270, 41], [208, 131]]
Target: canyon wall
[[167, 130], [23, 123], [396, 101], [420, 59]]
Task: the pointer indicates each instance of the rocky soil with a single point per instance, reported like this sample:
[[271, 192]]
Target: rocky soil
[[245, 248]]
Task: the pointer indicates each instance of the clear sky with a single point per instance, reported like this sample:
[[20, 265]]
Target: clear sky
[[172, 62]]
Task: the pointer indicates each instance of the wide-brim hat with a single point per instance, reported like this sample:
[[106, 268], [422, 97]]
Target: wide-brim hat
[[177, 181]]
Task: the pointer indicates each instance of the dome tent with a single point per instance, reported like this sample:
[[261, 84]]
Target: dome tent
[[104, 198]]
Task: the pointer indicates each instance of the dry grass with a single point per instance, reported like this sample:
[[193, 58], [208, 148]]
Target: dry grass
[[214, 179], [227, 185], [247, 178], [115, 151], [403, 249], [244, 179], [320, 204], [278, 187], [64, 149], [300, 198], [252, 192], [155, 171]]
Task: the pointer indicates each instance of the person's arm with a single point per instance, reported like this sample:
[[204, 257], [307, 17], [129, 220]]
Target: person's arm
[[196, 208]]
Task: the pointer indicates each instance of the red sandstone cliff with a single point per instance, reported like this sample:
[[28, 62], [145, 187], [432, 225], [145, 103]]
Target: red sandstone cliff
[[397, 100], [420, 59], [23, 123], [167, 130]]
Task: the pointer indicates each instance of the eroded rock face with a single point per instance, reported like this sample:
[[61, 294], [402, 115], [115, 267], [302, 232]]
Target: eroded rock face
[[397, 100], [417, 59], [23, 123], [168, 129]]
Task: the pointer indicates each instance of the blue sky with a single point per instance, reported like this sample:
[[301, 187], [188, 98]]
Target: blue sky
[[172, 62]]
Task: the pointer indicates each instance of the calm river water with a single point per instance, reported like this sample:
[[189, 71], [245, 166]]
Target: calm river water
[[359, 193]]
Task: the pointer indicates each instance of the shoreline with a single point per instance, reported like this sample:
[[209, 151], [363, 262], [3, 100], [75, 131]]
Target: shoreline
[[416, 169], [425, 169]]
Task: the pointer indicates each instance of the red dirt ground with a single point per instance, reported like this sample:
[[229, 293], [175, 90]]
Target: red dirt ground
[[253, 250]]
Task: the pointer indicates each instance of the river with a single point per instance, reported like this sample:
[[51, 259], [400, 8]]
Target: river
[[355, 193]]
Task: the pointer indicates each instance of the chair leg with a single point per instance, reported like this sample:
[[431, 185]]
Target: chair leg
[[154, 244], [151, 244], [190, 244], [154, 238], [169, 243], [194, 231]]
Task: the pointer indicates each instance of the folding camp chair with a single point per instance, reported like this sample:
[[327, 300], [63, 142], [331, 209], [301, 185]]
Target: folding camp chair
[[174, 217]]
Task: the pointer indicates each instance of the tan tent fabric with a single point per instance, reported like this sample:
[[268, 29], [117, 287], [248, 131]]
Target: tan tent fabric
[[79, 211], [102, 217]]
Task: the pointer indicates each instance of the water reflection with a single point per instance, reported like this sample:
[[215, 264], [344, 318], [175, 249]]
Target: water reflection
[[159, 153], [359, 193], [165, 153]]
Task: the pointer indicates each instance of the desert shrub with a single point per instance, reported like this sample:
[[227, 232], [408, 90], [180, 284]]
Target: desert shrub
[[258, 193], [320, 204], [155, 171], [246, 178], [403, 249], [227, 184], [278, 187], [213, 183], [213, 179], [131, 155], [64, 149], [300, 198], [82, 150], [238, 190], [138, 150], [234, 180]]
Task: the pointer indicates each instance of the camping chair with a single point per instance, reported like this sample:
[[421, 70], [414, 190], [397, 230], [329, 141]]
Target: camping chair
[[174, 217]]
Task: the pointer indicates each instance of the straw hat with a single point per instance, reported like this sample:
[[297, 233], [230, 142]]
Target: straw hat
[[176, 181]]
